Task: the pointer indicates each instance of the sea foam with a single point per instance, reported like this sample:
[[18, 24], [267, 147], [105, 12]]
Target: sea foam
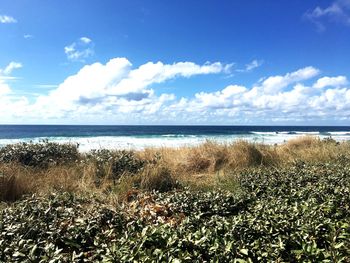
[[173, 140]]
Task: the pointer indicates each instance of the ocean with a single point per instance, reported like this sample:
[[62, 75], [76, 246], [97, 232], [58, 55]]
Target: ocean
[[138, 137]]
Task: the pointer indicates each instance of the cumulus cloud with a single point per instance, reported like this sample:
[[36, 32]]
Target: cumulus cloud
[[5, 76], [4, 19], [117, 88], [46, 86], [338, 11], [331, 81], [276, 83], [237, 104], [11, 106], [4, 88], [116, 92], [80, 50]]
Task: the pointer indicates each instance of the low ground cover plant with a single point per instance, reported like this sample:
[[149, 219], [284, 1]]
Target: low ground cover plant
[[299, 213]]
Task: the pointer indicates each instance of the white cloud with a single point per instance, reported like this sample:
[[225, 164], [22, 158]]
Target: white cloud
[[254, 64], [46, 86], [85, 40], [338, 11], [4, 88], [80, 50], [28, 36], [10, 67], [250, 66], [117, 88], [14, 110], [4, 19], [4, 77], [331, 81], [11, 106], [220, 99], [277, 83], [150, 73], [239, 104], [117, 92]]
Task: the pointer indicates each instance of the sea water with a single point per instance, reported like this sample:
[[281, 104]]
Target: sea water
[[139, 137]]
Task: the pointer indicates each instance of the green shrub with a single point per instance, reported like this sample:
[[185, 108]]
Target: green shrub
[[59, 228], [43, 154]]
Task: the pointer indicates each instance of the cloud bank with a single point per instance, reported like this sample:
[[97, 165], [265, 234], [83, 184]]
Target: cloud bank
[[118, 93], [277, 99], [116, 88]]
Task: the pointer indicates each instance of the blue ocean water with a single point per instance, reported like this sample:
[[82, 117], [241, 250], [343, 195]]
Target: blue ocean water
[[138, 137]]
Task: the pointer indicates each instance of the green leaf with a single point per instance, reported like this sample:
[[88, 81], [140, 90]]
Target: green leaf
[[339, 245]]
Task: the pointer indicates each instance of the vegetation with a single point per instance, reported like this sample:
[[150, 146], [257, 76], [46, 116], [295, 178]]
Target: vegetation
[[113, 164], [42, 155], [233, 203]]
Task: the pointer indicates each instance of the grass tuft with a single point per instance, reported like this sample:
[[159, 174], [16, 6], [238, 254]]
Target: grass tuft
[[157, 177], [13, 184]]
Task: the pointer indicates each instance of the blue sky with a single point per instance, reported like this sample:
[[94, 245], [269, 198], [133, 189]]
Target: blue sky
[[175, 62]]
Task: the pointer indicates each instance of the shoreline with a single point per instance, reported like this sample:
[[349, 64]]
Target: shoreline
[[139, 143]]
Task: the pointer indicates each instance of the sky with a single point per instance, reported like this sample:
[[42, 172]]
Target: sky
[[151, 62]]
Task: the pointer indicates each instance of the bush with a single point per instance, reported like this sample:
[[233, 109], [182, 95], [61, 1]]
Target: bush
[[43, 154], [59, 228], [114, 163]]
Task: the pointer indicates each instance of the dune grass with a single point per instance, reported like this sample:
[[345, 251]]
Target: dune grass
[[208, 166]]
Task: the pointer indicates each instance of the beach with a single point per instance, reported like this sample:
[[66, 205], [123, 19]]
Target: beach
[[141, 137]]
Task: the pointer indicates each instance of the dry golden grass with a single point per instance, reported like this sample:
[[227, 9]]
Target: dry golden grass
[[199, 166], [202, 166], [173, 158], [208, 157], [14, 182], [157, 177], [244, 154], [311, 149], [211, 157]]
